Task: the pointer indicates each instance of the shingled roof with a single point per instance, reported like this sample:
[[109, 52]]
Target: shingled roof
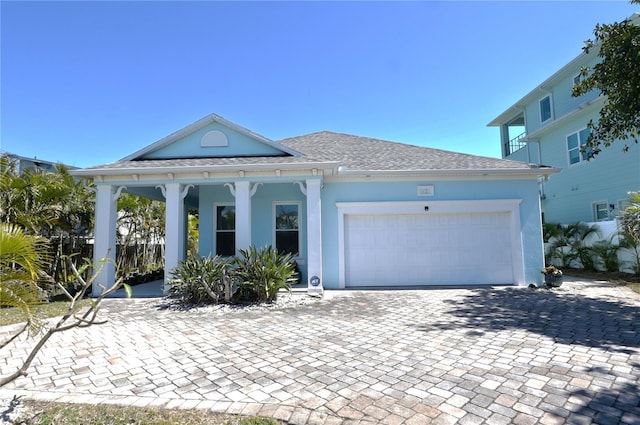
[[342, 152], [367, 154]]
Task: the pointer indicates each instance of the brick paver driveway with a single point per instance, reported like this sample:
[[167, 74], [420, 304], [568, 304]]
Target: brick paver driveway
[[495, 356]]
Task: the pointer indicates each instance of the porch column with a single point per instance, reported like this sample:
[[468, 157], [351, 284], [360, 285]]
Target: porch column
[[243, 214], [104, 236], [314, 237], [174, 239]]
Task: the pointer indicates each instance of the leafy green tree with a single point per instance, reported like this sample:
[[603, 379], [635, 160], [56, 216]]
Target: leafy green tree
[[53, 205], [141, 228], [617, 77]]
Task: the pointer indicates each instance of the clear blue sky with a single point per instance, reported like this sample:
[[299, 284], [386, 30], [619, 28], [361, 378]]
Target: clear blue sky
[[87, 83]]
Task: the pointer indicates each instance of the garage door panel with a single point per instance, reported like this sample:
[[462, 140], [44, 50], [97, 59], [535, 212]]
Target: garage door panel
[[434, 249]]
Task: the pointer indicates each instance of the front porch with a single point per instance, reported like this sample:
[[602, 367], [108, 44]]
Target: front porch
[[284, 213]]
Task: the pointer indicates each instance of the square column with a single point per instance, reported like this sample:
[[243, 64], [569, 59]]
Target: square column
[[243, 214], [104, 235], [314, 237], [174, 228]]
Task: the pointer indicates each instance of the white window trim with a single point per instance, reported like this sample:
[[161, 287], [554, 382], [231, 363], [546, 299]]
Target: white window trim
[[566, 144], [622, 204], [551, 111], [215, 223], [511, 206], [300, 224], [594, 210]]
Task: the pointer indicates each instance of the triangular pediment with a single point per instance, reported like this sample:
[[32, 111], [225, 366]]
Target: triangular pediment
[[212, 137]]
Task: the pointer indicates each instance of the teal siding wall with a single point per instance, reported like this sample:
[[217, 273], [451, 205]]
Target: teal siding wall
[[189, 146], [261, 218], [561, 99], [571, 193]]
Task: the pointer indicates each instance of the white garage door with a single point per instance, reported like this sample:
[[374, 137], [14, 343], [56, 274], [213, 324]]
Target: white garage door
[[428, 249]]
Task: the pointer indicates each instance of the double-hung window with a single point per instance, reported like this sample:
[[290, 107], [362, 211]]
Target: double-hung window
[[287, 227], [545, 109], [225, 230], [575, 146], [600, 211]]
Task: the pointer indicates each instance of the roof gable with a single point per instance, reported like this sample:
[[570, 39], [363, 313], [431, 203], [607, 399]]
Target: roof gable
[[211, 137]]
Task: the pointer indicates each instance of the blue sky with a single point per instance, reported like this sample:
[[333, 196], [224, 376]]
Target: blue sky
[[87, 83]]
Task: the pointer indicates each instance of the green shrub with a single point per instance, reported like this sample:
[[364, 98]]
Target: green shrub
[[261, 273], [199, 280], [606, 253]]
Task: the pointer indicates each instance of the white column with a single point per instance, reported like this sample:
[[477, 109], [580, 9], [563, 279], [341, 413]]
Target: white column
[[243, 214], [314, 237], [104, 235], [174, 239]]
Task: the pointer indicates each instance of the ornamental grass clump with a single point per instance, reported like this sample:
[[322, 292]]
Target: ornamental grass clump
[[261, 273], [254, 275], [202, 280]]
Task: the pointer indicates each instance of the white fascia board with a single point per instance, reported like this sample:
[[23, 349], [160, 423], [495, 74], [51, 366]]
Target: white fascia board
[[201, 123], [532, 172], [201, 168]]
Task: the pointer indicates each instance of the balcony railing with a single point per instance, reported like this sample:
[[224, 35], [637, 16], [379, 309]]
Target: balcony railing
[[517, 143]]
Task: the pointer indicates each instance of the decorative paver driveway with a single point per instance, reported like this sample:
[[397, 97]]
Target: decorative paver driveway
[[495, 356]]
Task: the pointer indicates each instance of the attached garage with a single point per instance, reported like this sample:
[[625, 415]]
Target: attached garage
[[438, 243]]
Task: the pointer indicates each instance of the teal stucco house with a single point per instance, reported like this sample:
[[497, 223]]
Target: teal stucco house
[[355, 211], [548, 126]]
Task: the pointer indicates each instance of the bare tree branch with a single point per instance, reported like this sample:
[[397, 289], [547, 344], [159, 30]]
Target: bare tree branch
[[73, 318]]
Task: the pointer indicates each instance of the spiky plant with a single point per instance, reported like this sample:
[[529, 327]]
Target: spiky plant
[[262, 272]]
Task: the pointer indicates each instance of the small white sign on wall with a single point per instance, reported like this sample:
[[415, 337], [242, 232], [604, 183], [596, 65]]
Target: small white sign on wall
[[426, 190]]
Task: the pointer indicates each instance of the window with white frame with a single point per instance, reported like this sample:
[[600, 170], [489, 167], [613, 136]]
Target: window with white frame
[[600, 211], [225, 230], [545, 109], [623, 204], [286, 218], [575, 146]]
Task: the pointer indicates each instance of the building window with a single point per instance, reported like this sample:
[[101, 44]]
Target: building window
[[577, 79], [575, 145], [600, 211], [545, 109], [225, 230], [287, 227]]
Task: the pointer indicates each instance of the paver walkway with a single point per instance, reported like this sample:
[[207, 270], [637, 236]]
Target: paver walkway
[[496, 356]]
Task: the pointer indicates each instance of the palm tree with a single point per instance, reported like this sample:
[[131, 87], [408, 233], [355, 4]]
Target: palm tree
[[23, 257], [630, 228]]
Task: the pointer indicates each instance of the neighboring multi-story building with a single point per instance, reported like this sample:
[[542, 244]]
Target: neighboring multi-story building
[[548, 126], [24, 163]]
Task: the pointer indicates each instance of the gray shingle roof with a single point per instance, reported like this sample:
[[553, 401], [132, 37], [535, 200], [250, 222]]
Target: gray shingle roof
[[363, 153], [326, 148]]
